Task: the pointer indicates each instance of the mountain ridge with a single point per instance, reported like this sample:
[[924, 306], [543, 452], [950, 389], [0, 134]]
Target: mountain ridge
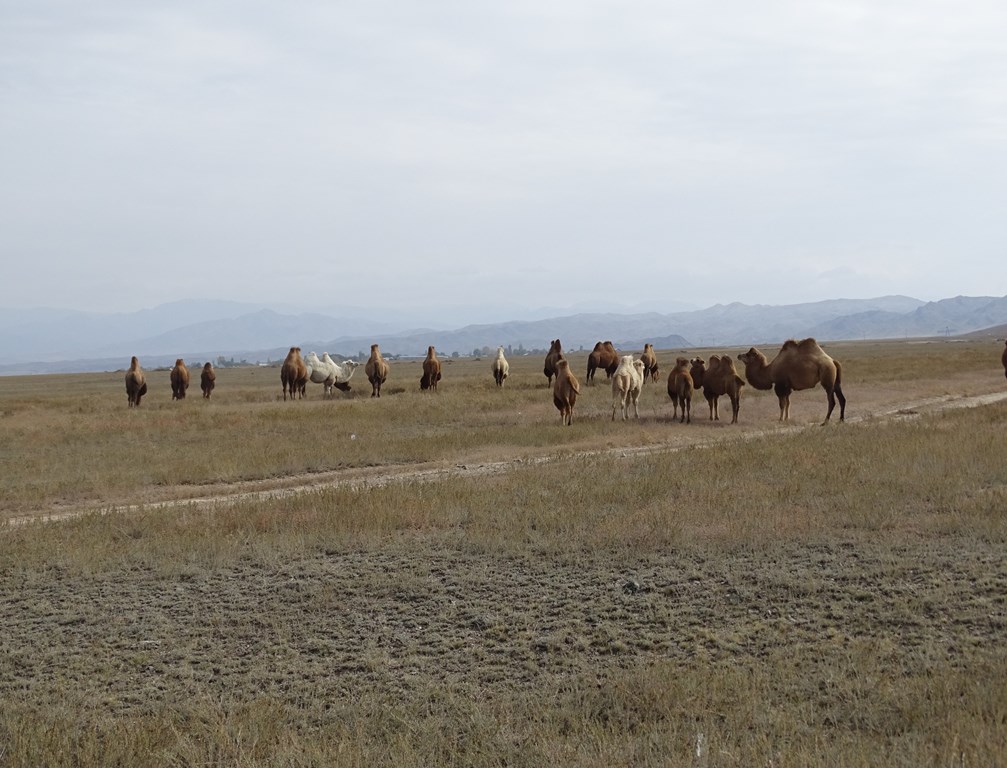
[[41, 340]]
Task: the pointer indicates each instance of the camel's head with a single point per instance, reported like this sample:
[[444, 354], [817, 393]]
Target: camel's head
[[751, 356]]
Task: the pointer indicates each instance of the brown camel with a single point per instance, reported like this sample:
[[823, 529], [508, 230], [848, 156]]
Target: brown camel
[[797, 366], [554, 355], [136, 383], [207, 380], [376, 370], [680, 389], [603, 356], [721, 378], [294, 374], [179, 380], [564, 391], [431, 370], [649, 358]]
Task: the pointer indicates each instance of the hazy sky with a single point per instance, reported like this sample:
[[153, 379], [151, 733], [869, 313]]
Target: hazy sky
[[507, 154]]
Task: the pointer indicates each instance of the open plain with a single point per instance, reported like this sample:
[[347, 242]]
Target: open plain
[[454, 578]]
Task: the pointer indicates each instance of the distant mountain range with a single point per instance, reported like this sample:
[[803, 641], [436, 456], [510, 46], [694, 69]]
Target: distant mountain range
[[58, 341]]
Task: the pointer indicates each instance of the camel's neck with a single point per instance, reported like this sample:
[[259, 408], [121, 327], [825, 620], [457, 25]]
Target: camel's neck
[[759, 375]]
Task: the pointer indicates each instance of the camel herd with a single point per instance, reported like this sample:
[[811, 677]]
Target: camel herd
[[798, 365]]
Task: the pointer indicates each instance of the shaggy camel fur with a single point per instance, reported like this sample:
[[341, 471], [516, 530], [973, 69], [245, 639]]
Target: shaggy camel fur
[[207, 380], [797, 366], [501, 368], [603, 356], [627, 383], [431, 370], [376, 369], [680, 389], [294, 374], [649, 358], [136, 383], [554, 355], [721, 378], [1003, 359], [565, 390], [179, 380]]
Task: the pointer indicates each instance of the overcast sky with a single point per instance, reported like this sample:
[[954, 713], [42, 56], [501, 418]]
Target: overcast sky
[[501, 155]]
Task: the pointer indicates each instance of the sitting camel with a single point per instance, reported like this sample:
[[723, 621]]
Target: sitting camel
[[797, 366]]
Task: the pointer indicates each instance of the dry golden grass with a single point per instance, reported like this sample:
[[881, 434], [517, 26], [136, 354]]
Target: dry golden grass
[[747, 595]]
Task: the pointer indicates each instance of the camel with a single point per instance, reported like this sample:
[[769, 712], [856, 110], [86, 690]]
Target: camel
[[501, 368], [721, 378], [565, 390], [554, 355], [680, 389], [798, 365], [431, 370], [179, 380], [603, 356], [627, 383], [136, 383], [207, 380], [376, 369], [1003, 359], [649, 358], [294, 374]]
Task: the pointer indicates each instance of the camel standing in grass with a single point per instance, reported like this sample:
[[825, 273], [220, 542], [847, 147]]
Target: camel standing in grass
[[136, 383], [565, 390], [501, 368], [294, 374], [721, 378], [554, 355], [207, 380], [680, 389], [376, 369], [431, 370], [603, 356], [627, 383], [649, 358], [179, 380], [797, 366]]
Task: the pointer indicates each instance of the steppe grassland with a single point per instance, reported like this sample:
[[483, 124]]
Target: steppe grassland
[[70, 440], [804, 597]]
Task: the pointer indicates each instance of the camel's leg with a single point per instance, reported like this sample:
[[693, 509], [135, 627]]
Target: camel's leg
[[687, 410], [842, 402]]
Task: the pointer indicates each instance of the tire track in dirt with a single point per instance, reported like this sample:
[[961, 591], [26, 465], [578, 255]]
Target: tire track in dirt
[[377, 477]]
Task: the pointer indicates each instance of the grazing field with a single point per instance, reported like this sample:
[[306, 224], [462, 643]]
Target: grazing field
[[453, 578]]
